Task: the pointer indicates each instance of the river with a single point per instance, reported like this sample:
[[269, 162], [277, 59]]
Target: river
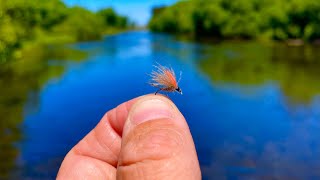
[[253, 108]]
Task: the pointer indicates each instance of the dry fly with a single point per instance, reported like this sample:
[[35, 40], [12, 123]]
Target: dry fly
[[164, 78]]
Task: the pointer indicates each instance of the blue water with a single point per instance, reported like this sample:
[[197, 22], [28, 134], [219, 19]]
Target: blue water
[[240, 131]]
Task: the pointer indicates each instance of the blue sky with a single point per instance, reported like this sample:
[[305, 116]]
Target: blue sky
[[137, 10]]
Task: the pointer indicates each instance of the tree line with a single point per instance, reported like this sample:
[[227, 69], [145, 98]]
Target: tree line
[[25, 22], [245, 19]]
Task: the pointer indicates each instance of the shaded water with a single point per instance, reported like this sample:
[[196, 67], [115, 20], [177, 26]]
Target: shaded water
[[253, 109]]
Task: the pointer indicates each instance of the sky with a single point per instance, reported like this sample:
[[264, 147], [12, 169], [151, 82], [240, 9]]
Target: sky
[[138, 11]]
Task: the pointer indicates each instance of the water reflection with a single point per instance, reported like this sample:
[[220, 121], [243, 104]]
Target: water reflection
[[294, 69], [20, 83], [276, 117], [273, 160], [252, 108]]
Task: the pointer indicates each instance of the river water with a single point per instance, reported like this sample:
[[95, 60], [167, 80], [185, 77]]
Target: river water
[[253, 109]]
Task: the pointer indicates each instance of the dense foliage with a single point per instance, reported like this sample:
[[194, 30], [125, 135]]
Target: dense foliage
[[25, 22], [272, 19]]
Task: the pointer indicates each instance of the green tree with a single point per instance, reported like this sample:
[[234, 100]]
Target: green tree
[[276, 19], [81, 24], [25, 23], [111, 18]]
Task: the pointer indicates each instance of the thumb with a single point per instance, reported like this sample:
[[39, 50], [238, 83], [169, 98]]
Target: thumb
[[156, 143]]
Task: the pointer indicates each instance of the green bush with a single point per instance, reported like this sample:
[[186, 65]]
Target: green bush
[[110, 18], [275, 19], [173, 20], [25, 22], [80, 24]]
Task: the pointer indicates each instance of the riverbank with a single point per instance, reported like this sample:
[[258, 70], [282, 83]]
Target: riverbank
[[40, 48], [278, 20], [25, 24]]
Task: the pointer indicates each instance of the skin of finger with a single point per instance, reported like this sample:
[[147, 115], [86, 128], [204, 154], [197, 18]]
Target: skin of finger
[[99, 149], [88, 149], [77, 167], [158, 149]]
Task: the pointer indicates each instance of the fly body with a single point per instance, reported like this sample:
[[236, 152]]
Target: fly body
[[164, 78]]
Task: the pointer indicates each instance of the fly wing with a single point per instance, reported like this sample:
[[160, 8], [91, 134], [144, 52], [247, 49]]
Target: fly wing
[[163, 77]]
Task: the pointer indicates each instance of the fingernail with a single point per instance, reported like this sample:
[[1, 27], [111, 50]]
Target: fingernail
[[151, 109]]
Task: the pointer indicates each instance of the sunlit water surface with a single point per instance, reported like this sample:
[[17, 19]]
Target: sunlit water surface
[[253, 109]]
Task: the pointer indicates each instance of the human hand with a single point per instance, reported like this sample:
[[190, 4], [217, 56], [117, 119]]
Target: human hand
[[144, 138]]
